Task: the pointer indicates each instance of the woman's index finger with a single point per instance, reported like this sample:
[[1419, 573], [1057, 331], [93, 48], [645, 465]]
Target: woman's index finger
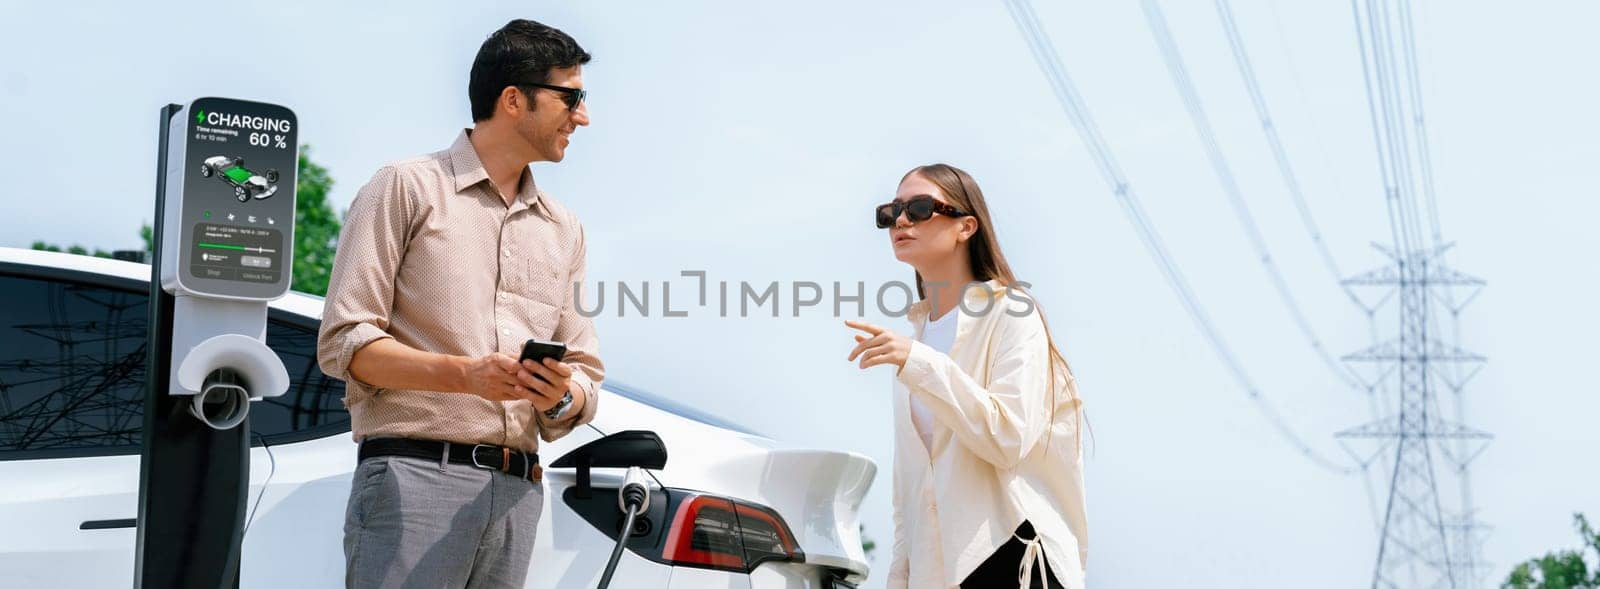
[[864, 326]]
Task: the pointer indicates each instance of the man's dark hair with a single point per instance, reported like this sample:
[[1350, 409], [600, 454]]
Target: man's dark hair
[[519, 53]]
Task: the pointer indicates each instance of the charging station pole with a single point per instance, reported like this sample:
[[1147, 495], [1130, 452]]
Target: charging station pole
[[223, 247]]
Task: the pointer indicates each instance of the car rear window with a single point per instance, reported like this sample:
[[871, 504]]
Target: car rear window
[[72, 370]]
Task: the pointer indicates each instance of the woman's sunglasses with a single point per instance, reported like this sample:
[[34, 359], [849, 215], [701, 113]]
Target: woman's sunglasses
[[917, 208], [572, 97]]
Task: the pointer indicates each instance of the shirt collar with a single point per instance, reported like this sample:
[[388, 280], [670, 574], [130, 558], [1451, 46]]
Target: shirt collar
[[468, 171]]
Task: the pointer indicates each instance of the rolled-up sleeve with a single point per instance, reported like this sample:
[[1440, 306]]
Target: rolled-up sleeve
[[583, 350], [361, 288]]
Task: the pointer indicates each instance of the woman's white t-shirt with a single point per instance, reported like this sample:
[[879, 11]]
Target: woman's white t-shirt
[[938, 334]]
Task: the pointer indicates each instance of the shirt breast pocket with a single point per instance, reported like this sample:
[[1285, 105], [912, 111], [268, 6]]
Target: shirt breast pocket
[[545, 279], [542, 318]]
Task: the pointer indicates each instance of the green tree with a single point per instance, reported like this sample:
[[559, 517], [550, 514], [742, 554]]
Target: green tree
[[71, 249], [316, 230], [1564, 569], [316, 227]]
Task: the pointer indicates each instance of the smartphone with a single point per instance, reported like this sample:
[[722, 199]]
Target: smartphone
[[537, 350]]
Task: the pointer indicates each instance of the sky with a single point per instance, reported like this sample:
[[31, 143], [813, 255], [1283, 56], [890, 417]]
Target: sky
[[750, 141]]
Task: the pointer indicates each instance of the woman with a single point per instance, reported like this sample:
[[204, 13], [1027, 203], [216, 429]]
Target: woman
[[988, 483]]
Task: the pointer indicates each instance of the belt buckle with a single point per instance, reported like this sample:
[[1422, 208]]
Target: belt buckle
[[475, 462]]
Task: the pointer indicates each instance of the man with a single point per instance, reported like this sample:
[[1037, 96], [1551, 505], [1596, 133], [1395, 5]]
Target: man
[[448, 263]]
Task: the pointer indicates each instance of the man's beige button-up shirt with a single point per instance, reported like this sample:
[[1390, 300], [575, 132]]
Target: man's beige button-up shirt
[[431, 256]]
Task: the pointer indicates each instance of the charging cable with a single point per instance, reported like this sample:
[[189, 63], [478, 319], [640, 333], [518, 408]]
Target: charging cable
[[633, 498]]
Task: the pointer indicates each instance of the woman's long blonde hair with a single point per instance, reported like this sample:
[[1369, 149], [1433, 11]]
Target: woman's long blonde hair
[[988, 262]]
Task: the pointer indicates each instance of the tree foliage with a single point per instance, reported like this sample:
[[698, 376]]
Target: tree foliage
[[1563, 569], [316, 227], [867, 543]]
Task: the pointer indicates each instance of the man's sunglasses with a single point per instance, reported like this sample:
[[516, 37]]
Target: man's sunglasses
[[917, 208], [571, 96]]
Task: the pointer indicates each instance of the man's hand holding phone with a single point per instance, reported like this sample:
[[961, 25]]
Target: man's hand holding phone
[[538, 377], [494, 377], [552, 380], [542, 373]]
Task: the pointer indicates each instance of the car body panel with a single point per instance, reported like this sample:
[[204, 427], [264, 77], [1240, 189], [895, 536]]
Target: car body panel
[[42, 510], [299, 488]]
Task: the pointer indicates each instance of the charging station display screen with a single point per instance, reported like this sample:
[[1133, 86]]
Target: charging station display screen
[[231, 252], [237, 197]]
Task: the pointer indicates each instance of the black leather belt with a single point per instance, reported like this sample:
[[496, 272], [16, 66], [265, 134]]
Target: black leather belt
[[523, 465]]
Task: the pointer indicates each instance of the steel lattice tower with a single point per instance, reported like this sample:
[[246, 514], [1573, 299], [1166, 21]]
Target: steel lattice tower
[[1422, 542]]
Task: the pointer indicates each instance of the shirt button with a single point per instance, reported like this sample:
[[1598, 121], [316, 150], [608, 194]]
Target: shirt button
[[505, 332], [504, 296], [508, 252]]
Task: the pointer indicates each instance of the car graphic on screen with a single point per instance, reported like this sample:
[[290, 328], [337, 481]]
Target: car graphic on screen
[[246, 184]]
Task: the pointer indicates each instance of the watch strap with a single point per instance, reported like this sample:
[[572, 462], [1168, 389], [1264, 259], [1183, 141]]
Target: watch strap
[[560, 408]]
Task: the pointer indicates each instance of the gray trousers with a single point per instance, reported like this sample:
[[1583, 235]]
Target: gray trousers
[[425, 523]]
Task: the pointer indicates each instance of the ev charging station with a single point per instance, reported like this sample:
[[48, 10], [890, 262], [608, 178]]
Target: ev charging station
[[223, 240]]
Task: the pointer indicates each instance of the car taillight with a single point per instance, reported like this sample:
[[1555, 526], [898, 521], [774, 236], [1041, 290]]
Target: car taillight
[[718, 533]]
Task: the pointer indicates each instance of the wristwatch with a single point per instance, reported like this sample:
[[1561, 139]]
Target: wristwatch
[[561, 407]]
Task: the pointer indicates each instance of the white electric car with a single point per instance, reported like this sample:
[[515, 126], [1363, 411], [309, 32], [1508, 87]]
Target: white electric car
[[733, 509]]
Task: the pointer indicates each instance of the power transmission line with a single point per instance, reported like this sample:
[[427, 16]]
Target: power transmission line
[[1269, 127], [1419, 120], [1374, 392], [1179, 72], [1072, 104]]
